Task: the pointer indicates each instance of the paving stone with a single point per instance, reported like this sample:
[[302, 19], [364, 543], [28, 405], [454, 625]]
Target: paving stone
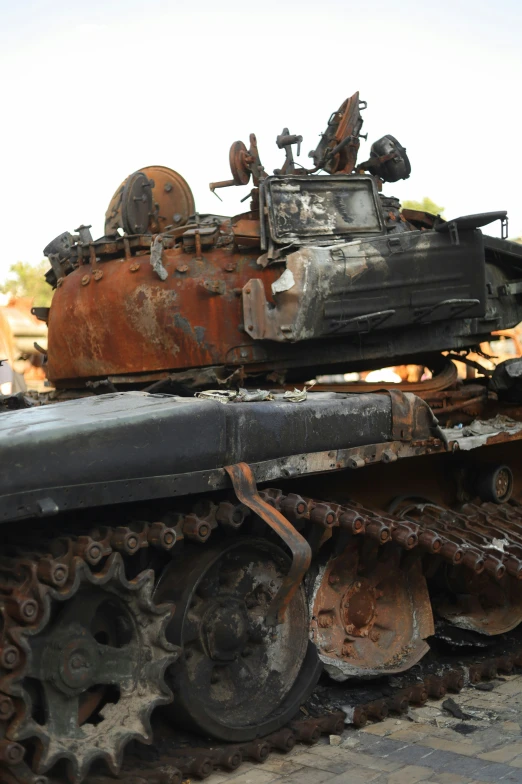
[[426, 713], [440, 760], [410, 774], [502, 775], [437, 779], [306, 775], [448, 778], [448, 762], [485, 696], [253, 776], [412, 755], [512, 686], [219, 778], [353, 776], [504, 754], [384, 727], [481, 703], [358, 758], [281, 764], [412, 734], [224, 777], [400, 751], [416, 727], [459, 747], [449, 733], [350, 742], [328, 763]]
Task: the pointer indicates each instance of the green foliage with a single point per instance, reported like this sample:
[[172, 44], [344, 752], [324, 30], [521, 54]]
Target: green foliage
[[426, 205], [27, 280]]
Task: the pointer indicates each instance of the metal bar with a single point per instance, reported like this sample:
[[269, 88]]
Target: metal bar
[[246, 490]]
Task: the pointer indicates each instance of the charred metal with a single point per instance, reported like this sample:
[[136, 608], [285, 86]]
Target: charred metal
[[323, 271], [207, 513]]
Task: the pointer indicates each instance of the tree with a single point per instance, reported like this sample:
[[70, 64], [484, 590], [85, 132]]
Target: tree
[[27, 280], [426, 205]]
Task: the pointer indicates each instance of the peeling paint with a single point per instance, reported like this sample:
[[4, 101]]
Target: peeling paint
[[284, 283]]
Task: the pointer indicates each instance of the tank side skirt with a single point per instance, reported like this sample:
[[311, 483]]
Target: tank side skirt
[[52, 501]]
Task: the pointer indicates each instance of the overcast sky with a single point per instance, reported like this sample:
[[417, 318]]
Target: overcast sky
[[91, 91]]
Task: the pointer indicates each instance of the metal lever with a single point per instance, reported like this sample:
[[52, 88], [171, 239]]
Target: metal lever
[[245, 488], [346, 141], [243, 164], [285, 141]]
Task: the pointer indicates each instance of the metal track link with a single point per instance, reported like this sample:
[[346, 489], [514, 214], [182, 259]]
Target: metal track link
[[36, 572], [483, 538], [34, 577]]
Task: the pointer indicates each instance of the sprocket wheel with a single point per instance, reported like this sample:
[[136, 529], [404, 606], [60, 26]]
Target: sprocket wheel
[[239, 678], [95, 670]]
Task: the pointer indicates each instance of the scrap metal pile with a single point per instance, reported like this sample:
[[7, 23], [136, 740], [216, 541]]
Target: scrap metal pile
[[189, 541]]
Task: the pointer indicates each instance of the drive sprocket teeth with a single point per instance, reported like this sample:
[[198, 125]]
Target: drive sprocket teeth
[[94, 669]]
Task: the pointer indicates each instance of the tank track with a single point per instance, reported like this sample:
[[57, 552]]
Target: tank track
[[167, 764], [35, 572], [31, 582]]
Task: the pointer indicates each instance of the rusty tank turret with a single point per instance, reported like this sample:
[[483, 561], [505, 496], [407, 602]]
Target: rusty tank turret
[[207, 512], [323, 274]]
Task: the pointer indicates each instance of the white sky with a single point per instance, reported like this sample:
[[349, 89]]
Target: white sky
[[93, 91]]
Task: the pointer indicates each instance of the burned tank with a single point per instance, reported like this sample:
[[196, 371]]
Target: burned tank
[[192, 532]]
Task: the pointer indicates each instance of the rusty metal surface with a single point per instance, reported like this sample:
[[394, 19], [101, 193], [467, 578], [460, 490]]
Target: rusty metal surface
[[369, 614], [339, 145], [370, 609], [341, 266], [443, 379], [245, 488], [243, 164], [478, 554], [171, 202], [38, 592], [132, 322], [487, 539], [497, 430]]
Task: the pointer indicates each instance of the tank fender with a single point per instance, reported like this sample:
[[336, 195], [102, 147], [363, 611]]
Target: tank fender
[[131, 446]]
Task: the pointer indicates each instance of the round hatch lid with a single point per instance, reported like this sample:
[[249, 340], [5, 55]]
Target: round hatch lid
[[136, 204], [150, 200], [173, 202]]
